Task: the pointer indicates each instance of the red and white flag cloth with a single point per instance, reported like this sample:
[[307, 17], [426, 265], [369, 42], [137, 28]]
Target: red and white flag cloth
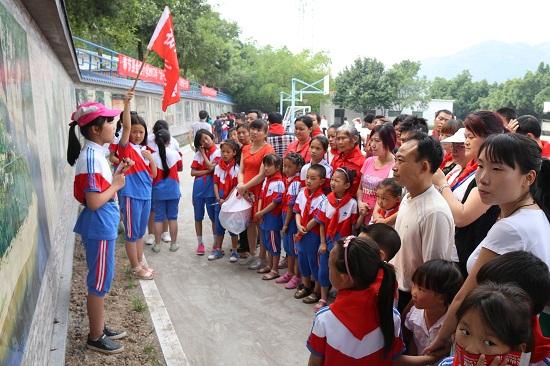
[[164, 44]]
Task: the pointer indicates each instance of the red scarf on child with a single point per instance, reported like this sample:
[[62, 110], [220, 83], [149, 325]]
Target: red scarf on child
[[385, 214], [332, 227], [316, 131], [469, 169], [288, 182], [309, 198], [358, 309], [268, 180], [227, 185]]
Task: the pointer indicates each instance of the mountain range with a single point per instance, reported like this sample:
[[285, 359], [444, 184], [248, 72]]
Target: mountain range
[[491, 60]]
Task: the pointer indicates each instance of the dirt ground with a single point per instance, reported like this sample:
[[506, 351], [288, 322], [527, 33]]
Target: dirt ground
[[126, 309]]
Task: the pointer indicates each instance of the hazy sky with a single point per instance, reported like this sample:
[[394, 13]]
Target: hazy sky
[[390, 30]]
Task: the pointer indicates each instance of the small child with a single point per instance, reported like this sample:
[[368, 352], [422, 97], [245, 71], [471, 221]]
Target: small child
[[232, 134], [269, 214], [292, 163], [494, 321], [318, 147], [225, 180], [388, 199], [166, 190], [339, 218], [206, 158], [385, 236], [435, 284], [135, 197], [361, 327], [333, 148], [310, 202]]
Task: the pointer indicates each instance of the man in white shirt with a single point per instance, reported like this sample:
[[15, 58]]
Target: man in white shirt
[[201, 125], [424, 221]]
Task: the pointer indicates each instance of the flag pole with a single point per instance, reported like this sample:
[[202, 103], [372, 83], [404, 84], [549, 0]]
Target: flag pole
[[140, 68]]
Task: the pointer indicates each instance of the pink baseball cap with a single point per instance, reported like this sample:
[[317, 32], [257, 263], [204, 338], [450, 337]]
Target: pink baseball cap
[[87, 112]]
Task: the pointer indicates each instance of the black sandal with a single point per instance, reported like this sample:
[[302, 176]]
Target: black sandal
[[303, 292]]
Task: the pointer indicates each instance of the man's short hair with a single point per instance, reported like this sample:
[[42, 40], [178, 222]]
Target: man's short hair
[[413, 123], [258, 113], [203, 114], [428, 149], [529, 124], [446, 111], [508, 113], [275, 117]]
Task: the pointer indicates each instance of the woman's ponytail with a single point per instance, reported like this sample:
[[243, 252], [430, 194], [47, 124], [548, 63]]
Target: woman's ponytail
[[386, 296], [73, 147], [162, 138], [541, 188]]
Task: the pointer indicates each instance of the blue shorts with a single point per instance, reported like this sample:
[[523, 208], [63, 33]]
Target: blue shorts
[[166, 209], [323, 265], [135, 216], [288, 238], [218, 228], [100, 258], [272, 241], [307, 255], [198, 206]]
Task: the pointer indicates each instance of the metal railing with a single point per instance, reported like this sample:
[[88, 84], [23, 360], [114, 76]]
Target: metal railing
[[102, 60]]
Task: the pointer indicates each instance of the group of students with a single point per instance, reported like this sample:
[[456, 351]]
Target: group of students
[[145, 183], [316, 196], [331, 207]]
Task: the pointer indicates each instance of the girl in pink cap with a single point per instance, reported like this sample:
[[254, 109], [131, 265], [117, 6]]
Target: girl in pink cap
[[95, 187]]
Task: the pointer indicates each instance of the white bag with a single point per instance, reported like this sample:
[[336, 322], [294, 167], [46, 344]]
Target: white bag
[[235, 213]]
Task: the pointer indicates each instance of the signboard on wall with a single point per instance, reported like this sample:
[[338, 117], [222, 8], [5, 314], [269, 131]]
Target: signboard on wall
[[129, 67], [208, 92]]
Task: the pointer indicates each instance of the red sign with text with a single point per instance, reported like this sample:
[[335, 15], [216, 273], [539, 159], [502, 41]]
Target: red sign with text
[[129, 67], [209, 92]]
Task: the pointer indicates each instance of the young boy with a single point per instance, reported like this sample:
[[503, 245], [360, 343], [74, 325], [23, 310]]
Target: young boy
[[385, 236], [388, 199]]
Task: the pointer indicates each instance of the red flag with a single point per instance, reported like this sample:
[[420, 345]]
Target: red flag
[[164, 44]]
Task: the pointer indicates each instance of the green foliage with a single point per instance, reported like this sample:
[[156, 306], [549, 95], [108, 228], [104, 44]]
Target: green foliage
[[138, 305], [367, 85], [527, 95], [467, 94]]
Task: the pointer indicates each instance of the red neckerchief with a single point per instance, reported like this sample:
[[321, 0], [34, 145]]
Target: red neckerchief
[[288, 182], [354, 156], [447, 158], [541, 344], [332, 227], [316, 131], [309, 199], [358, 309], [226, 167], [469, 169], [304, 148], [276, 129], [275, 177], [385, 214]]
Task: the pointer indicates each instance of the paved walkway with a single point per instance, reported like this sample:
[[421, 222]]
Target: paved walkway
[[223, 313]]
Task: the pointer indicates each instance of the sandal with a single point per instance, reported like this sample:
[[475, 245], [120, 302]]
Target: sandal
[[270, 276], [311, 299], [303, 292], [142, 274], [265, 269]]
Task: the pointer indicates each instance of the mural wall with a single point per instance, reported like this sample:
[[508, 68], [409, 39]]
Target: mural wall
[[35, 97]]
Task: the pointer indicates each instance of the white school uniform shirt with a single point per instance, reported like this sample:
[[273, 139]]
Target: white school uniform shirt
[[422, 336], [328, 170], [426, 227]]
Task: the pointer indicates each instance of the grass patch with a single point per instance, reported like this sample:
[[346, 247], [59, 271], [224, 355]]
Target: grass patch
[[138, 305], [151, 354]]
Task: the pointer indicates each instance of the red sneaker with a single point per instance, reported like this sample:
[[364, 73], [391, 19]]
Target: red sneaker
[[200, 249], [293, 283], [284, 278]]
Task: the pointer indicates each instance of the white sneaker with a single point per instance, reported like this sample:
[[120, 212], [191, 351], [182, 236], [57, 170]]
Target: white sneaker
[[149, 239], [166, 237]]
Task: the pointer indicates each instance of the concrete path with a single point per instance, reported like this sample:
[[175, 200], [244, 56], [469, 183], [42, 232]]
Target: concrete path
[[223, 313]]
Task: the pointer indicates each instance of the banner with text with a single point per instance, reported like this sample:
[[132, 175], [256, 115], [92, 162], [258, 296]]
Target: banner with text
[[129, 67]]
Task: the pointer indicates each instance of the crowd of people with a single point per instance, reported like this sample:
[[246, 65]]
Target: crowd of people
[[408, 243]]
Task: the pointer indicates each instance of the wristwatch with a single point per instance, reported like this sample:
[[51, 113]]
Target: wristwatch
[[440, 189]]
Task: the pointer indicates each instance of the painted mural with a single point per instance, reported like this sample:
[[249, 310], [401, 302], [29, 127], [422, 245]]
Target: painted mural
[[23, 249]]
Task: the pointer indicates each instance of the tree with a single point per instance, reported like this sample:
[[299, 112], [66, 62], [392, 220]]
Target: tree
[[467, 94], [363, 86], [407, 88]]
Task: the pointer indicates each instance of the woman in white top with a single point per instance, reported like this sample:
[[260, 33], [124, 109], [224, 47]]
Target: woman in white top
[[472, 217], [513, 175]]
